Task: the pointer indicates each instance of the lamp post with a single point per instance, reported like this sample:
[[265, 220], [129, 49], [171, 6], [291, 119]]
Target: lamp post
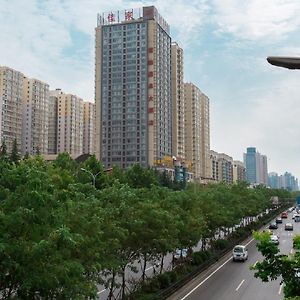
[[93, 175]]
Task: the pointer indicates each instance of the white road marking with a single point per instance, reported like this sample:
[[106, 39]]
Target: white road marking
[[280, 289], [239, 285], [101, 291], [255, 264], [214, 272], [149, 268]]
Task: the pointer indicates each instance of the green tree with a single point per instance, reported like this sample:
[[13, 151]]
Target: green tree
[[3, 149], [15, 156], [276, 265]]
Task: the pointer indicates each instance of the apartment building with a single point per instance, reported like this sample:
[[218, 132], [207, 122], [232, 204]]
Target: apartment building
[[11, 92], [178, 103], [89, 133], [133, 88], [239, 171], [197, 132], [69, 124], [52, 121], [35, 109], [222, 167]]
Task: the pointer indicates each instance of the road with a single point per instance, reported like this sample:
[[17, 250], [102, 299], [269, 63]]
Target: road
[[228, 280]]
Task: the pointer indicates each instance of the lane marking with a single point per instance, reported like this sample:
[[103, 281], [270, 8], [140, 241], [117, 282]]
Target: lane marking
[[255, 264], [240, 285], [280, 289], [149, 268], [101, 291], [214, 272]]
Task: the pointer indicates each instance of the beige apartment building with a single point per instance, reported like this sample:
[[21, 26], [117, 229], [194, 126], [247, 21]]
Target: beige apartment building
[[52, 121], [69, 124], [89, 132], [178, 103], [221, 167], [11, 92], [197, 132], [35, 111], [133, 88], [239, 171]]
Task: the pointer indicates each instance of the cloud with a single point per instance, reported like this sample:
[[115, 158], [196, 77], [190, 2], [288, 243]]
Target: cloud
[[257, 19]]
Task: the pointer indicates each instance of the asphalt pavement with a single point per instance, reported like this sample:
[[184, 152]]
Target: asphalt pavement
[[228, 280]]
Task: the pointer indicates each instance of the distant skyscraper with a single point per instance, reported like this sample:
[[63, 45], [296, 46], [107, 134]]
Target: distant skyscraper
[[133, 88], [178, 103], [273, 180], [35, 116], [70, 124], [89, 133], [256, 167], [11, 93], [250, 163]]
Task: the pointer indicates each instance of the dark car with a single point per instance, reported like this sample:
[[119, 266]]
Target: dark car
[[278, 220], [273, 225]]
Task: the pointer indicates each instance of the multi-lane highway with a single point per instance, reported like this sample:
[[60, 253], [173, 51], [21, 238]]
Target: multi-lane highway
[[228, 280]]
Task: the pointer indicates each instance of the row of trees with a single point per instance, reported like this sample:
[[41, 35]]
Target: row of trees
[[60, 236]]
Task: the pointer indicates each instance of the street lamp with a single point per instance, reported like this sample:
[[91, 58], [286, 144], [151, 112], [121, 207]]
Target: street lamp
[[284, 62], [93, 175]]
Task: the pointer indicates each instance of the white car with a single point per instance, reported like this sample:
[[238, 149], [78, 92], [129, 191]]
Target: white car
[[274, 239], [180, 253], [239, 252]]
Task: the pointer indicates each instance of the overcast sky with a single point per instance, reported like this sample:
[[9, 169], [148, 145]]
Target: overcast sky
[[225, 44]]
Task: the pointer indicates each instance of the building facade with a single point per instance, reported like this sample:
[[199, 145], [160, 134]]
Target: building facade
[[221, 167], [35, 109], [178, 103], [52, 121], [256, 167], [11, 93], [70, 124], [89, 132], [133, 88], [238, 171], [197, 132]]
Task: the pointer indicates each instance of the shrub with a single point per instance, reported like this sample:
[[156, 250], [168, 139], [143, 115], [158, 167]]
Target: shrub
[[200, 257], [220, 244]]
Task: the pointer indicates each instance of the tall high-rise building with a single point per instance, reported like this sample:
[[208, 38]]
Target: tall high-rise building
[[133, 88], [250, 163], [273, 180], [178, 103], [197, 144], [70, 124], [52, 121], [89, 127], [35, 116], [256, 166], [11, 92]]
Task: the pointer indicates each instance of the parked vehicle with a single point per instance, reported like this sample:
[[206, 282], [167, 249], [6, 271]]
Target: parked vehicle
[[240, 253], [289, 226], [180, 253], [273, 225]]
